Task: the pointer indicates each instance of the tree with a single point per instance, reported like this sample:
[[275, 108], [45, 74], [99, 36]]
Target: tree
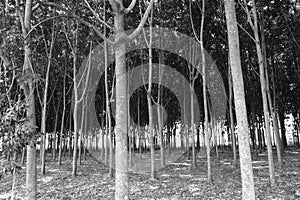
[[149, 100], [121, 180], [107, 97], [63, 114], [45, 100], [271, 106], [28, 88], [78, 97], [239, 99], [231, 118], [254, 25]]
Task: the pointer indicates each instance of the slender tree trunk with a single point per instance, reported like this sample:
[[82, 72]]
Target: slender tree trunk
[[207, 136], [271, 108], [75, 111], [198, 137], [231, 117], [159, 110], [102, 138], [264, 94], [193, 126], [275, 113], [54, 138], [174, 136], [85, 144], [248, 191], [70, 135], [106, 156], [23, 155], [83, 116], [130, 129], [62, 118], [215, 133], [78, 98], [281, 116], [259, 134], [160, 131], [186, 131], [45, 99], [149, 101], [139, 130]]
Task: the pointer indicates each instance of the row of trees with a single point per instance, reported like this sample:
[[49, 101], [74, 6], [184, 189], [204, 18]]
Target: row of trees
[[38, 95]]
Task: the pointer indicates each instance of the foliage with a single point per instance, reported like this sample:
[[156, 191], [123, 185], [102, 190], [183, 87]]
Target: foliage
[[13, 134]]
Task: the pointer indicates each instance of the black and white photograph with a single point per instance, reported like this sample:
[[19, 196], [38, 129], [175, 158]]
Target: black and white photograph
[[149, 99]]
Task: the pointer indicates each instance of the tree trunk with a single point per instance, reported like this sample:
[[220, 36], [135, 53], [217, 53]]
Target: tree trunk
[[75, 115], [185, 122], [264, 94], [70, 144], [102, 137], [215, 132], [174, 136], [207, 137], [62, 118], [160, 131], [28, 88], [193, 126], [45, 99], [248, 191], [23, 155], [233, 142], [83, 116], [139, 130], [149, 101], [130, 129], [271, 108], [198, 137], [282, 127], [259, 134], [121, 180], [106, 156]]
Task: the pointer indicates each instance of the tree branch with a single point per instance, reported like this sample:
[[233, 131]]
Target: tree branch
[[87, 76], [130, 7], [95, 14], [143, 28], [249, 16], [246, 31], [54, 5], [192, 21], [113, 5], [142, 23], [21, 17], [73, 15], [92, 27]]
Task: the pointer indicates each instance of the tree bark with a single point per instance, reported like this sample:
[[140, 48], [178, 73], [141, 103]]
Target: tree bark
[[281, 116], [149, 101], [31, 175], [121, 180], [248, 191], [206, 132], [231, 117], [75, 111]]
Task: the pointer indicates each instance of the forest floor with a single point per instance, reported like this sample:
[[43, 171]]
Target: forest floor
[[175, 181]]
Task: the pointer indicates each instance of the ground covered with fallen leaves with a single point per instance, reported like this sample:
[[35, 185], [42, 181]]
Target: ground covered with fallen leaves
[[177, 180]]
